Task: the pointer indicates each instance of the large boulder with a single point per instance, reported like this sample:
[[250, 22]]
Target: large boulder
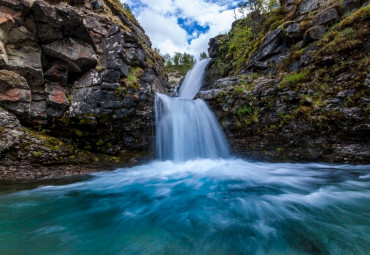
[[79, 55], [326, 17]]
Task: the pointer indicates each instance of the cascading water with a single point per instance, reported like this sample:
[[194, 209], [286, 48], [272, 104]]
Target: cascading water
[[193, 80], [186, 128], [200, 207]]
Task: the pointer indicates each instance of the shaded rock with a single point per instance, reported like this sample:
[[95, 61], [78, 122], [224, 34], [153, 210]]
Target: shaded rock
[[45, 13], [79, 55], [48, 33], [287, 4], [15, 93], [136, 56], [57, 101], [111, 76], [314, 33], [273, 50], [348, 6], [58, 72], [25, 59], [327, 17], [292, 30], [110, 86]]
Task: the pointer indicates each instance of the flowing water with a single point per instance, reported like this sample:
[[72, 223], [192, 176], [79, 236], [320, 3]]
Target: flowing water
[[196, 207], [193, 80], [185, 128], [201, 201]]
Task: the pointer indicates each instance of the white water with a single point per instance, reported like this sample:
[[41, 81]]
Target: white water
[[187, 129], [193, 80]]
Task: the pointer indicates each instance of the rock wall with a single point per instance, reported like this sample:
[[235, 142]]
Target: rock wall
[[87, 76], [302, 91]]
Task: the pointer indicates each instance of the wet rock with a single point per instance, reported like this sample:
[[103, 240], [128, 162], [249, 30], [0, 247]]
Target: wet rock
[[327, 17], [79, 55]]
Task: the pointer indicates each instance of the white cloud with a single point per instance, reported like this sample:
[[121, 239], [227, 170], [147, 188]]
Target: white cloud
[[159, 19]]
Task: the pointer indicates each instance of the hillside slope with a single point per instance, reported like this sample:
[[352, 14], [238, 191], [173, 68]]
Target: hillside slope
[[297, 86], [77, 85]]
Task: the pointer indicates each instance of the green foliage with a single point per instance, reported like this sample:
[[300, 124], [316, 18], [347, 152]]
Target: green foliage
[[294, 79], [244, 110], [180, 62], [37, 154], [132, 80], [203, 55]]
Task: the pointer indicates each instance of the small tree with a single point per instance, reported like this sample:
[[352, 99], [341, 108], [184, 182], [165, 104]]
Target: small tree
[[203, 55]]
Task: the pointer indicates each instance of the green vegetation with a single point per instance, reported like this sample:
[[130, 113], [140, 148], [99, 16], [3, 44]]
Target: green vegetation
[[132, 80], [294, 79], [37, 154], [237, 47], [179, 62]]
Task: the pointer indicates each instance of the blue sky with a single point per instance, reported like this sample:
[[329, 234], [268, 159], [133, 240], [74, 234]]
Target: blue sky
[[183, 25]]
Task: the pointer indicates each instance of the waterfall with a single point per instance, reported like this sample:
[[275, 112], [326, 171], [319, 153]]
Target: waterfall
[[193, 80], [185, 128]]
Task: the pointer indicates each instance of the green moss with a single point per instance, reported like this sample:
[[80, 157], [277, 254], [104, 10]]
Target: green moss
[[37, 154], [294, 79], [132, 80], [2, 129], [78, 132], [244, 110], [357, 17]]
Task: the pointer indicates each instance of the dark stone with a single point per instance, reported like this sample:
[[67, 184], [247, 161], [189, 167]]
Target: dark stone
[[136, 56], [48, 33], [348, 5], [73, 23], [79, 55], [327, 17], [314, 33], [119, 66], [110, 86], [58, 72], [111, 76], [293, 30]]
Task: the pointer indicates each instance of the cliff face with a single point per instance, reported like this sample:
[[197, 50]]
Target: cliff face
[[82, 75], [296, 87]]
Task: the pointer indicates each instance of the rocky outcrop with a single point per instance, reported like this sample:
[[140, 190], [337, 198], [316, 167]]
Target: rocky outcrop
[[301, 92], [82, 75]]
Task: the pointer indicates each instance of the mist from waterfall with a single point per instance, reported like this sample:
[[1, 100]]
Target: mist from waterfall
[[187, 129]]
